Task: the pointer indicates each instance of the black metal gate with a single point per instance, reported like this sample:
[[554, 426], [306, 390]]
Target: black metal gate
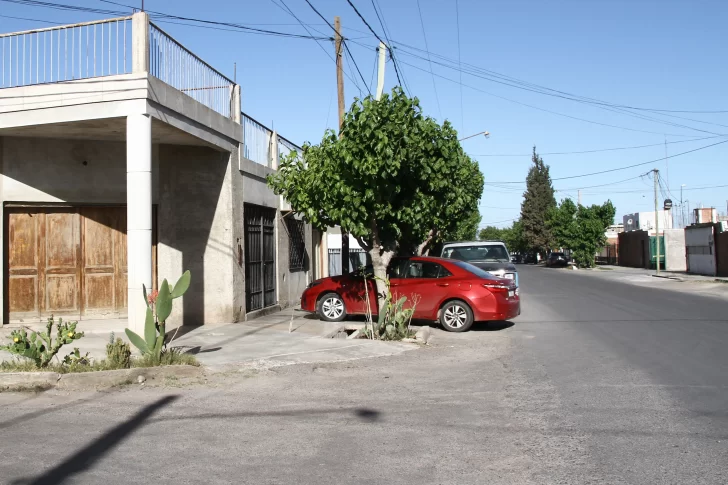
[[260, 250]]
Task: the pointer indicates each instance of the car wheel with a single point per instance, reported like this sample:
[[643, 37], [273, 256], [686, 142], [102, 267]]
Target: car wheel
[[456, 316], [331, 308]]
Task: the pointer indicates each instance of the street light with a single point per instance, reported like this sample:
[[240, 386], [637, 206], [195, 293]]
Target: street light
[[484, 133], [682, 209]]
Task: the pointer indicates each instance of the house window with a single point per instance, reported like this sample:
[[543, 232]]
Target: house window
[[296, 245]]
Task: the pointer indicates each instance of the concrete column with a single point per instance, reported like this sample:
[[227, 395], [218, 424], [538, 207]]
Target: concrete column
[[140, 42], [235, 102], [138, 215]]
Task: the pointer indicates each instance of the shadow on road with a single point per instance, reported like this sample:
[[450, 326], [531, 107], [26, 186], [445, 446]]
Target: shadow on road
[[365, 414], [490, 326], [87, 456]]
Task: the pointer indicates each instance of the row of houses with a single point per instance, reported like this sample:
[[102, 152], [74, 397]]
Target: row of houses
[[126, 159], [700, 248]]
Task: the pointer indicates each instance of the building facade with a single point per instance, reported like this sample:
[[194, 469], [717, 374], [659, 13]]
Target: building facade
[[125, 159]]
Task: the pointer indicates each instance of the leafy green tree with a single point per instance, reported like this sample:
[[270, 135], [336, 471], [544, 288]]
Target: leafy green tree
[[537, 201], [581, 229], [395, 179], [514, 238], [491, 233]]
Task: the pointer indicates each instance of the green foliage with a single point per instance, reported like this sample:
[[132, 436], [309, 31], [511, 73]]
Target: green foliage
[[512, 236], [393, 321], [118, 353], [76, 359], [394, 178], [159, 307], [581, 229], [41, 347], [171, 356], [538, 200]]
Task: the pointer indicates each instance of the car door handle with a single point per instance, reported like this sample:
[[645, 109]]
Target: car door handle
[[443, 284]]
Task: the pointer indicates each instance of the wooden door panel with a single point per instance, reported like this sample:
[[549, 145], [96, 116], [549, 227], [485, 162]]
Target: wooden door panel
[[103, 232], [23, 295], [59, 282], [23, 236], [61, 293]]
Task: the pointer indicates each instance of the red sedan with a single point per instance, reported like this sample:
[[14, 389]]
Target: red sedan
[[452, 292]]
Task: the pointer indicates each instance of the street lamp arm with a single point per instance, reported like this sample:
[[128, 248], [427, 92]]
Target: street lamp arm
[[485, 133]]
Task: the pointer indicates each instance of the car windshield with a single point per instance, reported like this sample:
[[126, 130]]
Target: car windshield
[[475, 270], [495, 252], [556, 255]]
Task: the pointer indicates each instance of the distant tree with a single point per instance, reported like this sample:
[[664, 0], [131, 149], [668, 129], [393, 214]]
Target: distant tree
[[396, 180], [514, 238], [490, 233], [537, 201], [581, 229]]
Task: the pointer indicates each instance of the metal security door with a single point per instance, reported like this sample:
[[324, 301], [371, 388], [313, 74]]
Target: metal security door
[[260, 271]]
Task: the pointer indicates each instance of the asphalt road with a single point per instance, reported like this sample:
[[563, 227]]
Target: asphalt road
[[598, 381]]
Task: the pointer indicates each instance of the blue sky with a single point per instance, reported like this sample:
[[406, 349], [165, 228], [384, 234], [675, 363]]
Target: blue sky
[[660, 54]]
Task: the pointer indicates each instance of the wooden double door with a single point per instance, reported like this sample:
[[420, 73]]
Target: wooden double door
[[65, 261]]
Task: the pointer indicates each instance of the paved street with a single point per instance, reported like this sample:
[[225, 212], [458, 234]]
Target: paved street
[[600, 380]]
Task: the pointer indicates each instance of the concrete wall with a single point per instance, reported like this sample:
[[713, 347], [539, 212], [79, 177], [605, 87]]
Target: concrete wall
[[195, 231], [54, 171], [675, 250], [255, 186], [634, 249]]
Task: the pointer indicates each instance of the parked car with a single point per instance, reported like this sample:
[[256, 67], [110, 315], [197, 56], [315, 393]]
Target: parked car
[[557, 259], [531, 258], [453, 292], [491, 256]]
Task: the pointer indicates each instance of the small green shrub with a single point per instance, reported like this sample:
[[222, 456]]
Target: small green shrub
[[393, 322], [41, 347], [171, 356], [118, 354]]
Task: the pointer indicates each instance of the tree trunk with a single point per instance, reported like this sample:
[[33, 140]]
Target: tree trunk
[[424, 248], [381, 255]]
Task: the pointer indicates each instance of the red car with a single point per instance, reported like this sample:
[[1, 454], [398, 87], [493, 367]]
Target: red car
[[452, 292]]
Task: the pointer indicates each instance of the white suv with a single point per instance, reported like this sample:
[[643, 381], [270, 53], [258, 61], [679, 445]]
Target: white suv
[[490, 256]]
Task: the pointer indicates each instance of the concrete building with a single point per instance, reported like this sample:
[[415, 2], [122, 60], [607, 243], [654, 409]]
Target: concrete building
[[645, 221], [125, 159]]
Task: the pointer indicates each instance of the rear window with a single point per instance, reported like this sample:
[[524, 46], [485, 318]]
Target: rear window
[[477, 252], [475, 270]]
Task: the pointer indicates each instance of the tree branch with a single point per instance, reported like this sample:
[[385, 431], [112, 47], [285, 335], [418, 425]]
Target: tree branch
[[426, 243]]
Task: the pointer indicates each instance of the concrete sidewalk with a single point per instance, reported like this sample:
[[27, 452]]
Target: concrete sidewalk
[[263, 342], [675, 275]]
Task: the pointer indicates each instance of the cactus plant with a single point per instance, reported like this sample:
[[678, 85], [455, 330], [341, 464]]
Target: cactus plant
[[159, 307], [41, 347], [118, 353]]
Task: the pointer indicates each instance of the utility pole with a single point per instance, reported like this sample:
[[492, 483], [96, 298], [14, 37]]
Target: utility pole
[[578, 197], [338, 45], [380, 75], [656, 174]]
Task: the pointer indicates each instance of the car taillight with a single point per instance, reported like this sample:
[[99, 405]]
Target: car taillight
[[495, 287]]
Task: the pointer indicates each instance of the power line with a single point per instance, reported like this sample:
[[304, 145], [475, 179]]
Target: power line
[[544, 109], [460, 64], [524, 86], [378, 38], [345, 47], [623, 168], [385, 29], [424, 35], [558, 93], [590, 151]]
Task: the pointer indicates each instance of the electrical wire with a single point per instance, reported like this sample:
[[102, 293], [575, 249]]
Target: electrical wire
[[590, 151], [625, 167], [544, 109], [424, 35], [460, 64]]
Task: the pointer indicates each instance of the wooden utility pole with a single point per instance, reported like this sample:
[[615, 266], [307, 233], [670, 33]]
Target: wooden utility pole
[[656, 174], [380, 75], [338, 46]]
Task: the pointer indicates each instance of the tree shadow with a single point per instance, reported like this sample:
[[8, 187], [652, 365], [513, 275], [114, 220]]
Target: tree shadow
[[87, 456], [365, 414], [491, 326]]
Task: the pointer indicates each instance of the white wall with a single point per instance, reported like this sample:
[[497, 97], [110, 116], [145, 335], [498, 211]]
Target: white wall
[[700, 238]]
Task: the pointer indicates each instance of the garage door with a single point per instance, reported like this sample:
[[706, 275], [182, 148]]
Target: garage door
[[68, 262]]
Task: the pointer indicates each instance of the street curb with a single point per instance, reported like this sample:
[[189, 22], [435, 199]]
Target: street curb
[[24, 381], [674, 278]]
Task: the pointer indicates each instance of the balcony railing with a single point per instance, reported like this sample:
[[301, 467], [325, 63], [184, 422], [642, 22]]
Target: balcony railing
[[177, 66], [257, 141], [110, 47], [66, 53]]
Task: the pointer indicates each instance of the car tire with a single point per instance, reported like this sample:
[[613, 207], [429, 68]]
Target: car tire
[[331, 308], [456, 316]]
